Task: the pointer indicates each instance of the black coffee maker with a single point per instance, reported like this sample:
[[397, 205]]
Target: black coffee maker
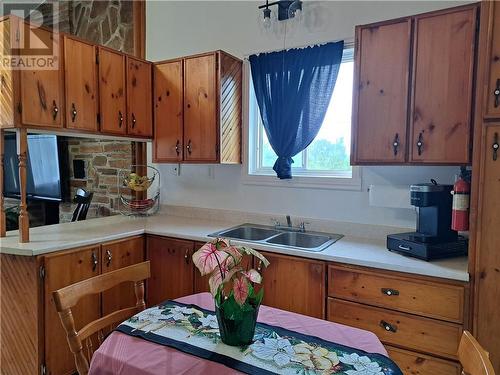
[[434, 237]]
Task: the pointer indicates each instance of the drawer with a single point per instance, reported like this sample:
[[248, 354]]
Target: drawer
[[412, 363], [426, 298], [399, 329]]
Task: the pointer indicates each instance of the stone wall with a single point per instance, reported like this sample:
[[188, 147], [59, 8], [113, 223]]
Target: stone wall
[[103, 160]]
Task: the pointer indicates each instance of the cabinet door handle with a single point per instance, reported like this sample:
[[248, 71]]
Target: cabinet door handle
[[55, 110], [186, 257], [95, 262], [177, 148], [109, 257], [395, 144], [390, 292], [388, 327], [73, 112], [120, 119], [259, 267], [495, 147], [189, 147], [496, 93], [133, 120], [420, 143]]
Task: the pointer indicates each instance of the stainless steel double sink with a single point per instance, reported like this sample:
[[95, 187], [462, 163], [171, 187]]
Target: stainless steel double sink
[[309, 241]]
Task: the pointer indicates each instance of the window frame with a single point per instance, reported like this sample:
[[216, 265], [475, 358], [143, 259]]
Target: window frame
[[255, 174]]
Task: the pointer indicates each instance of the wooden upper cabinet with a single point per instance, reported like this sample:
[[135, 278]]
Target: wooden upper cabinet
[[81, 84], [303, 293], [172, 271], [139, 97], [169, 123], [42, 90], [112, 96], [116, 255], [200, 108], [443, 69], [493, 94], [63, 269], [381, 92]]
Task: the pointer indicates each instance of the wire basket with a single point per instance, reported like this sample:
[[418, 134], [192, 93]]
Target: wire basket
[[139, 190]]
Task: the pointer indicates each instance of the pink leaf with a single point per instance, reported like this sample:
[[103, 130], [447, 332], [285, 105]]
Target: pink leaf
[[231, 272], [208, 258], [240, 289], [234, 253], [253, 276], [216, 279]]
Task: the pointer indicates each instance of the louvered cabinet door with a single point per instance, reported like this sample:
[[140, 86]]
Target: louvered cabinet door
[[112, 95], [200, 108], [168, 112], [380, 93], [42, 89], [61, 270], [139, 97], [80, 85], [443, 69]]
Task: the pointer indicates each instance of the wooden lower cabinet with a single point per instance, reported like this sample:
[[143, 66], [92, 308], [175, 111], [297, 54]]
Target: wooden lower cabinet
[[419, 319], [116, 255], [295, 284], [63, 269], [412, 363], [172, 271]]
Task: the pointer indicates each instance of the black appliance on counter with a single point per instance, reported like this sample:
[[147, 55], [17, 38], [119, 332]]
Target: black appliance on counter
[[434, 238]]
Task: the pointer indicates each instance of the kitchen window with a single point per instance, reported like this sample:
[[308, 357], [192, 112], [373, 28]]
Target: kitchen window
[[325, 162]]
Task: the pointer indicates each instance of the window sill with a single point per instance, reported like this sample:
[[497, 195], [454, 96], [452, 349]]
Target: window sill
[[306, 182]]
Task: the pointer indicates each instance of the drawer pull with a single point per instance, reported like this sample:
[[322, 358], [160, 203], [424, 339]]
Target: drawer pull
[[94, 262], [109, 257], [388, 326], [390, 292]]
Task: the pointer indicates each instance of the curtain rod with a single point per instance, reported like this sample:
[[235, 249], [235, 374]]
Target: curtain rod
[[348, 43]]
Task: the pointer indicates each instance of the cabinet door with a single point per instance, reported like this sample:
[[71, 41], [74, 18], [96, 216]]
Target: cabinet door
[[62, 270], [488, 263], [112, 92], [380, 94], [42, 90], [172, 273], [139, 98], [116, 255], [442, 87], [81, 84], [493, 94], [169, 95], [294, 284], [200, 108]]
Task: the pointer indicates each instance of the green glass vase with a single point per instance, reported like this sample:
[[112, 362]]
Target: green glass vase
[[239, 331]]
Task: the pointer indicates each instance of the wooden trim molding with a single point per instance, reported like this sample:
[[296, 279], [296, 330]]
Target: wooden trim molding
[[139, 11], [2, 202]]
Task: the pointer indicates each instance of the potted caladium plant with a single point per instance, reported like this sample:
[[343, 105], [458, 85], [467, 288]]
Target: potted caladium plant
[[236, 300]]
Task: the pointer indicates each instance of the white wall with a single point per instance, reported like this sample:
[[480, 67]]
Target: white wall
[[177, 28]]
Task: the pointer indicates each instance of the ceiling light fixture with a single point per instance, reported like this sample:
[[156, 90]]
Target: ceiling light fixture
[[287, 9]]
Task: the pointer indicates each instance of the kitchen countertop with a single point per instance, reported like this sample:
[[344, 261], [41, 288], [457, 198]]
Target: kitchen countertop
[[349, 250]]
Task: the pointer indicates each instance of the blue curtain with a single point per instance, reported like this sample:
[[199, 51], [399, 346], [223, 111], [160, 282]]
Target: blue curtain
[[293, 89]]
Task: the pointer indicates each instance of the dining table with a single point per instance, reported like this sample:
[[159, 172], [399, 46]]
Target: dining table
[[128, 355]]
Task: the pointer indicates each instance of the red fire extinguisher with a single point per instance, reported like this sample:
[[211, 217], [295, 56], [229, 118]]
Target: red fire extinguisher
[[460, 209]]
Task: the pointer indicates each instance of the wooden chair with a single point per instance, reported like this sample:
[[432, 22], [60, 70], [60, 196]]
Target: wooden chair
[[473, 358], [66, 298]]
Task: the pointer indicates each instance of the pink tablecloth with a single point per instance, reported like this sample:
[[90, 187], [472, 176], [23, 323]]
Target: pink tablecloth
[[127, 355]]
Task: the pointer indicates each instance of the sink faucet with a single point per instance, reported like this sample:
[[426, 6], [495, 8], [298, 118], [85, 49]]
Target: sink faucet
[[289, 227]]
